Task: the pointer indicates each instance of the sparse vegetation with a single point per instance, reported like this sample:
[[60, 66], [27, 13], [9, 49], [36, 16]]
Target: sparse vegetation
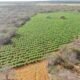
[[67, 59]]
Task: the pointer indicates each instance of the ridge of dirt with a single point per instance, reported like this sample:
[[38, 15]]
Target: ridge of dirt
[[36, 71]]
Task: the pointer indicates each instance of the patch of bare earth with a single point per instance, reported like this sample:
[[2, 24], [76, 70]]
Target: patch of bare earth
[[36, 71]]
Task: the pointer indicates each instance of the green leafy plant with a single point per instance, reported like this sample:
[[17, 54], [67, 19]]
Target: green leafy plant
[[39, 37]]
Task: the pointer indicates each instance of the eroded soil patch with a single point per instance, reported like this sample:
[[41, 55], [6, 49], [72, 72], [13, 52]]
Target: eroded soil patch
[[36, 71]]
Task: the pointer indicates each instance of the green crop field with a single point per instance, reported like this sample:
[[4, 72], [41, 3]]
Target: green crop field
[[43, 34]]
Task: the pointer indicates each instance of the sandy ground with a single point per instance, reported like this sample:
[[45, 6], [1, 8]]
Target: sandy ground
[[37, 71]]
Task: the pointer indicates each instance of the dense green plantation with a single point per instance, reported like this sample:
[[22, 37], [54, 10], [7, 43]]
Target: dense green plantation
[[43, 34]]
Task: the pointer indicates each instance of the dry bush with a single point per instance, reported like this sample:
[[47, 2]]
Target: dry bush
[[5, 38], [20, 21], [65, 63], [24, 20], [11, 31], [68, 56]]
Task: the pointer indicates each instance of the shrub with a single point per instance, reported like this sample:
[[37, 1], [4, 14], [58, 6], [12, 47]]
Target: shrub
[[63, 17], [48, 17]]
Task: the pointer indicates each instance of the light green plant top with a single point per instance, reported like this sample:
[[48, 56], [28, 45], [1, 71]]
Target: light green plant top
[[43, 34]]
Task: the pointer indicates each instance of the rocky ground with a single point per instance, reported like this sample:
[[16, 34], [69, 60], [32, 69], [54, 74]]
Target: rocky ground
[[65, 63]]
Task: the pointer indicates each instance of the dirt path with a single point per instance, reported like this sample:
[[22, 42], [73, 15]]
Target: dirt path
[[37, 71]]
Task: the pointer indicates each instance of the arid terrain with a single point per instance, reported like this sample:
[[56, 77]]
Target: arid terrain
[[36, 71], [64, 64]]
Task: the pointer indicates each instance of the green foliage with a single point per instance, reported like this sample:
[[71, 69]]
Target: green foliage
[[39, 37]]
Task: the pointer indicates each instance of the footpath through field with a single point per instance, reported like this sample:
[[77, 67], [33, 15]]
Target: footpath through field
[[37, 71]]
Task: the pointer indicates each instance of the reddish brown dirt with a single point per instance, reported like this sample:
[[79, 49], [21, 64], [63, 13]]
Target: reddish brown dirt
[[37, 71]]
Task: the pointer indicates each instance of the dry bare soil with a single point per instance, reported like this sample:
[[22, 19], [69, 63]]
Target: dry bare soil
[[35, 71]]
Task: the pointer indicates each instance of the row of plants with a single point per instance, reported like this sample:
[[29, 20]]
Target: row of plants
[[40, 36]]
